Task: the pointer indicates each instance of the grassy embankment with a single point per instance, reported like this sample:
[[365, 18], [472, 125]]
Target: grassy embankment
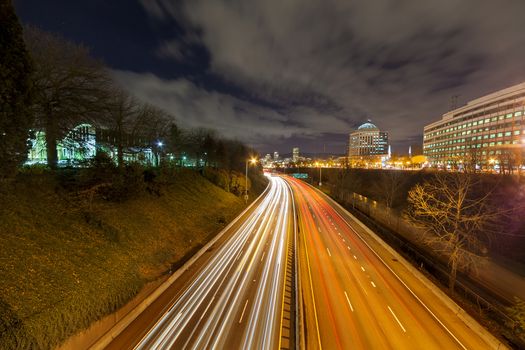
[[65, 265]]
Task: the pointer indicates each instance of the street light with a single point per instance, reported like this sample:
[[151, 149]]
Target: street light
[[159, 145], [253, 161], [320, 173]]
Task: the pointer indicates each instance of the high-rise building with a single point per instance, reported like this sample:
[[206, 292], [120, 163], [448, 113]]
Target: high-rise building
[[275, 155], [295, 154], [486, 133], [367, 144]]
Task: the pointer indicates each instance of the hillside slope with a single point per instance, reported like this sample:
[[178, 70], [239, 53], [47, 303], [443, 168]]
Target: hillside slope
[[64, 265]]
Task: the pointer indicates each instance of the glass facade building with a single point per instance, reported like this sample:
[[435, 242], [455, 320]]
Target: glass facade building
[[487, 133]]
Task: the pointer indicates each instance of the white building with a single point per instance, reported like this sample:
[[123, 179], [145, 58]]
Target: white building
[[486, 133], [367, 144], [295, 154]]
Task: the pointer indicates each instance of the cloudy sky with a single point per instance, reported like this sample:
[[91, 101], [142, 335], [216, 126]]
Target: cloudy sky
[[283, 73]]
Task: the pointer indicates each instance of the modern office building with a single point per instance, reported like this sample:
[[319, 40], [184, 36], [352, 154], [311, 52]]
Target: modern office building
[[367, 144], [487, 133], [295, 154]]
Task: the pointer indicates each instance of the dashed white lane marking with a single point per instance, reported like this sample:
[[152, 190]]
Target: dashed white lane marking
[[349, 303], [362, 268], [355, 257], [328, 250], [400, 325], [263, 256], [244, 309], [373, 284], [348, 247]]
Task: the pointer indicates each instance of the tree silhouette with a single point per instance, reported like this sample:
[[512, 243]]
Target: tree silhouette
[[15, 92]]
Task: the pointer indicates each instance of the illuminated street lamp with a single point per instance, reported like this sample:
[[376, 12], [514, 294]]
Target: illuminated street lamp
[[159, 145], [320, 173], [253, 161]]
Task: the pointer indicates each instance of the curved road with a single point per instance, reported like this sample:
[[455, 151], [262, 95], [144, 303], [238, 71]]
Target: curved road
[[236, 298], [356, 295]]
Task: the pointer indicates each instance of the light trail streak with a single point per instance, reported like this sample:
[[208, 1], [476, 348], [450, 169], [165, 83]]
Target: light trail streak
[[205, 310]]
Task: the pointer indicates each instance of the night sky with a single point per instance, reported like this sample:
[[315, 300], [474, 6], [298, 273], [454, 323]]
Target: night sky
[[284, 73]]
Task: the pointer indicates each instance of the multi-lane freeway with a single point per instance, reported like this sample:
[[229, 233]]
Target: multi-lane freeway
[[353, 292], [356, 295], [236, 298]]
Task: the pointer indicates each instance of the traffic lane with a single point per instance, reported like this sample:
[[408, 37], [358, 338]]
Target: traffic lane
[[450, 323], [192, 299], [136, 330], [338, 326], [221, 319], [392, 305], [428, 305], [375, 326]]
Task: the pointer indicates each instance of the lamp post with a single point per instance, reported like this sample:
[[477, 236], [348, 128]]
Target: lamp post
[[159, 145], [320, 173], [253, 161]]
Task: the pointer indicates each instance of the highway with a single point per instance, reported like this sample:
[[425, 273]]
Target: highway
[[235, 300], [356, 295]]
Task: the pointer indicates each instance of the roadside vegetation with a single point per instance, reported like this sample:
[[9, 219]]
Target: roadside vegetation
[[79, 240], [76, 248]]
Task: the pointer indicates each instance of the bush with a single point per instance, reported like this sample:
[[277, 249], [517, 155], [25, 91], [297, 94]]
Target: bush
[[34, 169], [517, 313]]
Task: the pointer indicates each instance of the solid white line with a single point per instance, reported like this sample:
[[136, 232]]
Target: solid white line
[[244, 309], [349, 303], [400, 325], [328, 251], [373, 284]]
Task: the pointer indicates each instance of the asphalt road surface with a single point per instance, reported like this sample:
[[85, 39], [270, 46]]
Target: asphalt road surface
[[235, 299], [356, 295]]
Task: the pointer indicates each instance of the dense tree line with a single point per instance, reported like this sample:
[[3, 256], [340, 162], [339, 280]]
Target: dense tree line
[[52, 85], [15, 92]]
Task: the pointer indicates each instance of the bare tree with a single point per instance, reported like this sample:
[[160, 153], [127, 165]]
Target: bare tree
[[121, 115], [453, 217], [389, 186], [151, 126], [345, 183], [473, 158], [69, 86]]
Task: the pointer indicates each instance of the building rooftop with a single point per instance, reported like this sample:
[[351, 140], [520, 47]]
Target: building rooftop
[[368, 126]]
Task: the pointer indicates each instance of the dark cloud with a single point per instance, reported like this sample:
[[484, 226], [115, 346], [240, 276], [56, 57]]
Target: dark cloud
[[319, 67]]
